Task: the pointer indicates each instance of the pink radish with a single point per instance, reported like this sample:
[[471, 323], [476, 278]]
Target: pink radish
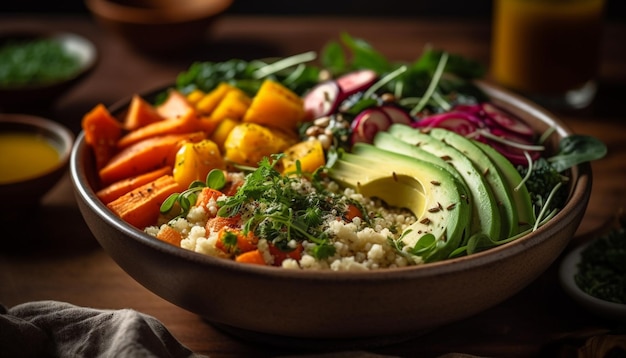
[[474, 109], [356, 81], [323, 99], [396, 114], [459, 122], [368, 123], [506, 121]]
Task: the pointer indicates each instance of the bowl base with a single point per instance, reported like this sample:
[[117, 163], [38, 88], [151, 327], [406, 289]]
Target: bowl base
[[314, 344]]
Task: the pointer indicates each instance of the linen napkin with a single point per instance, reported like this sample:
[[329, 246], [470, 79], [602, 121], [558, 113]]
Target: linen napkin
[[59, 329]]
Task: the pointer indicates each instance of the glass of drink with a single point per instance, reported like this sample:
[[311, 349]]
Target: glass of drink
[[548, 50]]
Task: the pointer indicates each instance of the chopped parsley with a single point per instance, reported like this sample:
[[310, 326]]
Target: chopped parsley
[[35, 62], [285, 208], [602, 269]]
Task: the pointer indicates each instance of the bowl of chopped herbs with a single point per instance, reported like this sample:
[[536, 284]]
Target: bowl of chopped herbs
[[37, 67], [594, 274]]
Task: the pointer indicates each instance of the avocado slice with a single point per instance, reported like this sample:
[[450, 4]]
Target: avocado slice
[[521, 197], [501, 190], [486, 218], [389, 142], [437, 198]]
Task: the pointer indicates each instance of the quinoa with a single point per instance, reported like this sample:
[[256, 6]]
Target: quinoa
[[362, 242]]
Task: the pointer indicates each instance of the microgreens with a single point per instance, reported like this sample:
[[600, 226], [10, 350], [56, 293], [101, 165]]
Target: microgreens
[[215, 180], [284, 209]]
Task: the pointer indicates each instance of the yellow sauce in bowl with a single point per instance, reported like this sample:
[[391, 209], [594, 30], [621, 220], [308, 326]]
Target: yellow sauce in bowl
[[25, 156]]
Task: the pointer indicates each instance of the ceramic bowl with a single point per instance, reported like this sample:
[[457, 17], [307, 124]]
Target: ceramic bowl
[[280, 306], [567, 272], [158, 26], [15, 98], [29, 190]]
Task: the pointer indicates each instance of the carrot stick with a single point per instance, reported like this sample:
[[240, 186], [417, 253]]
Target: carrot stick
[[175, 105], [145, 156], [189, 122], [140, 207], [102, 131], [140, 113], [121, 187]]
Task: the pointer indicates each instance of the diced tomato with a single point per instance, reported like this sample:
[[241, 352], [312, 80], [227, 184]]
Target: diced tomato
[[280, 255]]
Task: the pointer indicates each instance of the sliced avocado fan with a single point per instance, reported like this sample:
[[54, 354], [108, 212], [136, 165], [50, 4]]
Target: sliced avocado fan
[[521, 197], [436, 198], [486, 217], [503, 193]]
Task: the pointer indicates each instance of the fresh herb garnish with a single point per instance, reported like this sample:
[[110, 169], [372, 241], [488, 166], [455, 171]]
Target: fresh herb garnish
[[283, 208], [215, 179], [432, 82]]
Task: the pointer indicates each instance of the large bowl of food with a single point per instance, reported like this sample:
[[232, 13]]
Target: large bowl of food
[[299, 200]]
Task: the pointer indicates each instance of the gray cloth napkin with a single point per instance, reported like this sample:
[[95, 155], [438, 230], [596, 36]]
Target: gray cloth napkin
[[59, 329]]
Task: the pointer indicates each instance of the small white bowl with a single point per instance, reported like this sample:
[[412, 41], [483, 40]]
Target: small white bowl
[[567, 271]]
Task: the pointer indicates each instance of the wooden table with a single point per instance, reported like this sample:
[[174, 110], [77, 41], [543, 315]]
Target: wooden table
[[55, 257]]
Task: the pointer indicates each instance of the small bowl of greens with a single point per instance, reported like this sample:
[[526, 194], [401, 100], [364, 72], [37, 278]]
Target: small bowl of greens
[[38, 67], [594, 274]]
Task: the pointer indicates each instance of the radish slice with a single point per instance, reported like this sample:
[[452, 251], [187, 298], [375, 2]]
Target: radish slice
[[506, 121], [397, 115], [322, 100], [368, 123], [459, 122], [356, 81], [474, 109]]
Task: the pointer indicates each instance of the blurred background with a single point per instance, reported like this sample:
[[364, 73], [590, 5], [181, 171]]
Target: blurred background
[[615, 11]]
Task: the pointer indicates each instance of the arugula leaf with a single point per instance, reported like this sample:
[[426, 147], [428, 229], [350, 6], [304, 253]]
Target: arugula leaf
[[575, 149]]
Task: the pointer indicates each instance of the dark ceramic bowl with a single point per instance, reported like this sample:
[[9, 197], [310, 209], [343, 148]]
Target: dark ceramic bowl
[[14, 98], [159, 26], [280, 306], [28, 192]]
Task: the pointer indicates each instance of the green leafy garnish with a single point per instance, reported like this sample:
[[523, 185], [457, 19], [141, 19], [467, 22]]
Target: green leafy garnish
[[282, 208], [575, 149], [544, 177], [215, 180]]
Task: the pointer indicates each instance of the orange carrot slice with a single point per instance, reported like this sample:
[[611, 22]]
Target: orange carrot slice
[[168, 234], [140, 207], [145, 156], [121, 187], [175, 105], [102, 131], [251, 257], [140, 113]]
